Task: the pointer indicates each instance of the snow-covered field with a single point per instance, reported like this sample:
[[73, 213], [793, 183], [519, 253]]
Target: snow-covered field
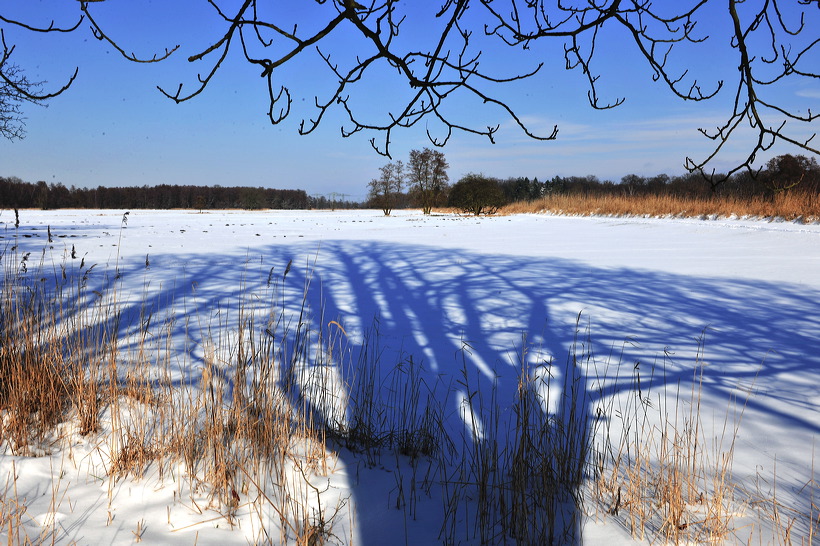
[[464, 297]]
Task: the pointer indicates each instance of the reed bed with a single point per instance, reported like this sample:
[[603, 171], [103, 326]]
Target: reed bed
[[801, 207]]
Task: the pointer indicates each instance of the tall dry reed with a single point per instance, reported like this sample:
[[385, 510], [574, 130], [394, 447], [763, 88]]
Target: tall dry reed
[[787, 206]]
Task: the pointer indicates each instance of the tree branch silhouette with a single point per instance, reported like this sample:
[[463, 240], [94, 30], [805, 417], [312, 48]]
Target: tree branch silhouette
[[16, 89], [769, 121], [436, 54]]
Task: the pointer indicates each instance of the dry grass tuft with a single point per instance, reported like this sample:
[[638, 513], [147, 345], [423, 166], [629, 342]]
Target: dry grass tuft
[[662, 477], [133, 457]]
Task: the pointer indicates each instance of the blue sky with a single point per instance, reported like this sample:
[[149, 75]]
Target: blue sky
[[114, 128]]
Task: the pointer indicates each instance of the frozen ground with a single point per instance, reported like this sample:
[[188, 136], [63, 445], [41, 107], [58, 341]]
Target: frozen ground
[[656, 290]]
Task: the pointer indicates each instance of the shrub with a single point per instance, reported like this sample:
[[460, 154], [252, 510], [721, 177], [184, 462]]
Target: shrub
[[476, 193]]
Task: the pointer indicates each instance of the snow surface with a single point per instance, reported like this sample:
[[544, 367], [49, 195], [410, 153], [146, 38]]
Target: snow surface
[[748, 291]]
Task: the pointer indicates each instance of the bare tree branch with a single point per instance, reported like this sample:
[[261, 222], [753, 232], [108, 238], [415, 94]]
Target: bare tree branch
[[101, 35], [52, 27], [443, 64], [16, 89], [655, 36], [431, 73], [749, 106]]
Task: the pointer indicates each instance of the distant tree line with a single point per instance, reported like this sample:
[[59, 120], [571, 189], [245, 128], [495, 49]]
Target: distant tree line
[[478, 193], [15, 193], [421, 182], [783, 173], [324, 202]]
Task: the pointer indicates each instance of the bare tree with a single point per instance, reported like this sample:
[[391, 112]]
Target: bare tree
[[15, 88], [428, 179], [773, 41], [386, 190]]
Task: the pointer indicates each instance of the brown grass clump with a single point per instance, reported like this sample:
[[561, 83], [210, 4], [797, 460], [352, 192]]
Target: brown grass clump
[[35, 379], [788, 206]]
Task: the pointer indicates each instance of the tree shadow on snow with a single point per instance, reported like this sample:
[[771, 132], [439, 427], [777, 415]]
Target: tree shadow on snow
[[475, 322]]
